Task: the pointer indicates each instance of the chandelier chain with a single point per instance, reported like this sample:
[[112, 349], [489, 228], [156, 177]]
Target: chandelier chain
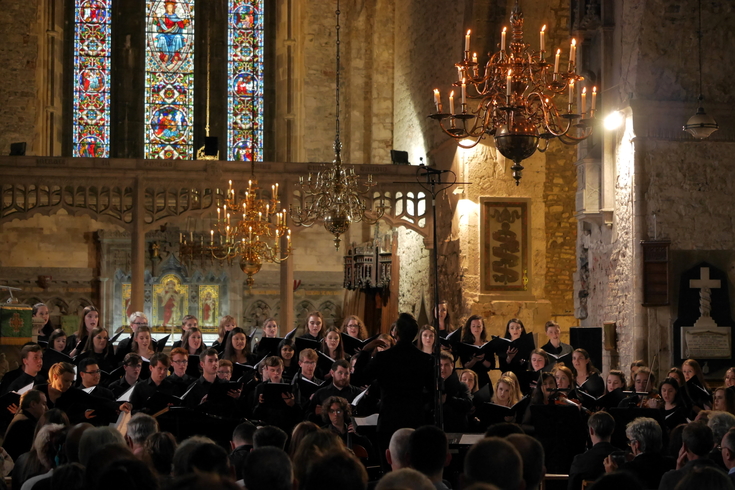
[[337, 144]]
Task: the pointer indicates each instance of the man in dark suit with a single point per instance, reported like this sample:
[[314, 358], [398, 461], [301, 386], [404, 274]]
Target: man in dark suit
[[406, 378], [588, 465], [648, 464], [19, 436], [727, 448], [696, 442]]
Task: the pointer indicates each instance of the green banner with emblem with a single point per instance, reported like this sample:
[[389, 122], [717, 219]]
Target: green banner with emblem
[[16, 324]]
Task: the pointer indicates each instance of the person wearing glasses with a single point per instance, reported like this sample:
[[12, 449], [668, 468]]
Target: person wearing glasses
[[179, 362], [136, 319], [338, 419], [132, 365], [90, 374]]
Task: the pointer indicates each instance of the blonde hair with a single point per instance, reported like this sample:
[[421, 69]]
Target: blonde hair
[[514, 391], [224, 321]]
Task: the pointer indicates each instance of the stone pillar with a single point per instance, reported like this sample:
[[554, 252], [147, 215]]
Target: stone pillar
[[286, 284], [137, 247]]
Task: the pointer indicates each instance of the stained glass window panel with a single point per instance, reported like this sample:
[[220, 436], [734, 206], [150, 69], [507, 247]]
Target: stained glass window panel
[[169, 80], [245, 81], [91, 107]]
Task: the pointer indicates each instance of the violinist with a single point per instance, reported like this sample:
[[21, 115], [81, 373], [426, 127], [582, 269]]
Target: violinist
[[564, 380], [671, 404], [544, 394], [643, 382]]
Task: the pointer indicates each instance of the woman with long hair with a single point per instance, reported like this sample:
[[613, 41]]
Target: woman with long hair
[[672, 405], [192, 341], [89, 321], [354, 327], [564, 380], [314, 326], [57, 340], [286, 352], [40, 310], [514, 359], [98, 347], [699, 394], [236, 347], [615, 380], [426, 339], [730, 377], [445, 322], [332, 344], [474, 333], [142, 343], [226, 324], [723, 399], [586, 376], [60, 380]]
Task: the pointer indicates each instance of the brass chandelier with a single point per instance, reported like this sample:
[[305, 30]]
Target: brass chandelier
[[247, 229], [515, 96], [335, 195]]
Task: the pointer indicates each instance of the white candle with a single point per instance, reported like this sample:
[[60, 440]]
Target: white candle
[[571, 92], [573, 51], [508, 81], [218, 212], [451, 102], [542, 42], [437, 99], [594, 100], [211, 237], [583, 106], [275, 196], [502, 39], [556, 61], [464, 91], [467, 41], [474, 58]]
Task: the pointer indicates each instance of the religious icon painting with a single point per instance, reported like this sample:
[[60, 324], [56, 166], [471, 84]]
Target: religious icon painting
[[169, 80], [245, 80], [91, 104], [504, 262], [127, 306], [209, 306], [170, 301]]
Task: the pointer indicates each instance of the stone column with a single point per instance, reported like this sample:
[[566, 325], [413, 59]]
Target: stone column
[[286, 284], [137, 247]]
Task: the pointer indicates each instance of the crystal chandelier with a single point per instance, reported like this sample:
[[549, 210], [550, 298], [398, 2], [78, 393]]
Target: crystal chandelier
[[248, 229], [515, 97], [335, 195]]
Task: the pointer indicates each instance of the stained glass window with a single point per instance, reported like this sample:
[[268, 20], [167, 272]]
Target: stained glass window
[[91, 133], [169, 79], [245, 81]]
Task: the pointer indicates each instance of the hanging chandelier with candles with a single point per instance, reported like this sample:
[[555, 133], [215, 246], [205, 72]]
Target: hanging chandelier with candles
[[247, 229], [335, 195], [513, 98]]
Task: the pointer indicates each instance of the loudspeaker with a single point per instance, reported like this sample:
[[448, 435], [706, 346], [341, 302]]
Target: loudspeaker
[[589, 339], [17, 149], [399, 157]]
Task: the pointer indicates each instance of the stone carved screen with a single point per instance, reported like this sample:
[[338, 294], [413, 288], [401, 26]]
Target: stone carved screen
[[505, 245], [91, 104], [245, 80], [169, 79]]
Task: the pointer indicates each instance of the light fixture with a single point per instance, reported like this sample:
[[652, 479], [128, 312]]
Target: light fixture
[[515, 94], [613, 120], [210, 150], [334, 195], [700, 125], [247, 229]]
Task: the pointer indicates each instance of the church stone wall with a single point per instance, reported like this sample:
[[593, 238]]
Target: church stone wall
[[414, 265]]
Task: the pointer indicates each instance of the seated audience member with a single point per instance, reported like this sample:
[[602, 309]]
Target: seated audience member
[[532, 454], [158, 381], [269, 436], [727, 450], [298, 434], [48, 447], [72, 441], [336, 471], [209, 481], [284, 413], [457, 402], [719, 423], [495, 461], [19, 436], [320, 442], [705, 478], [125, 474], [69, 476], [158, 451], [241, 444], [93, 439], [428, 453], [648, 464], [589, 465], [181, 464], [696, 441], [267, 468], [616, 481], [31, 357], [140, 427], [132, 364], [211, 458], [406, 478], [503, 430], [397, 453], [340, 386]]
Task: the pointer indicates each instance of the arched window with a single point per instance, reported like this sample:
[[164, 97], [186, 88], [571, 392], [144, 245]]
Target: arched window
[[245, 80], [91, 106], [169, 79]]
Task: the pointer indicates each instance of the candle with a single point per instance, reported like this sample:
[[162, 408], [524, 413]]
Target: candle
[[464, 93], [474, 58], [556, 61], [275, 196], [459, 73], [594, 100], [228, 218], [573, 51], [571, 93], [181, 237], [583, 106], [542, 42], [267, 210], [211, 237], [218, 213], [451, 102], [437, 99], [502, 39], [230, 185], [508, 80], [191, 236], [467, 41]]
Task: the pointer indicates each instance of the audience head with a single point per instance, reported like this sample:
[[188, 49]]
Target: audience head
[[72, 441], [243, 435], [314, 445], [96, 438], [720, 423], [496, 461], [705, 478], [336, 471], [503, 430], [127, 474], [140, 427], [298, 434], [727, 448], [532, 455], [159, 452], [602, 425], [33, 402], [69, 476], [269, 436], [397, 453], [181, 463], [697, 438], [48, 445], [211, 458], [645, 434], [428, 451], [268, 468], [406, 478], [616, 481]]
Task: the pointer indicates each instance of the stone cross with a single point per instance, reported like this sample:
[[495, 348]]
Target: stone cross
[[705, 285]]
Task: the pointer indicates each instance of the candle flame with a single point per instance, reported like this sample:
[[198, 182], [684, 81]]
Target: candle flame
[[468, 31], [594, 90], [451, 94], [543, 28], [436, 91], [574, 42], [510, 72], [463, 80], [505, 29], [584, 90], [558, 51]]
